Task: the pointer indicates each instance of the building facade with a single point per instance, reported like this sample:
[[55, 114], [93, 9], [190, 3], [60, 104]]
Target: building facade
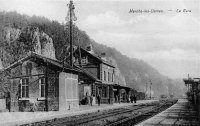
[[193, 90], [39, 83], [100, 74]]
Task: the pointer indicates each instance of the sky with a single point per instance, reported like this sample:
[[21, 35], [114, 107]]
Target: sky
[[168, 39]]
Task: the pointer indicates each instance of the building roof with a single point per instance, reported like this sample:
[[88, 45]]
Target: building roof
[[87, 73], [191, 80], [42, 58], [117, 85], [97, 58]]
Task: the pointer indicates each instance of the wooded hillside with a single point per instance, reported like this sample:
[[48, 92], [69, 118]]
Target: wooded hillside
[[136, 72]]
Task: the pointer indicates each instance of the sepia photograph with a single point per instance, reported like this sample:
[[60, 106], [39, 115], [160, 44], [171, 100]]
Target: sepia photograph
[[99, 62]]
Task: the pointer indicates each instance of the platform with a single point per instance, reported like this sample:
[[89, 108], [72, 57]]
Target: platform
[[17, 118], [180, 114]]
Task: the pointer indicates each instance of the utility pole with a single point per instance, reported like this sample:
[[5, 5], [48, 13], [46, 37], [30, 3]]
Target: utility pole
[[146, 91], [71, 17], [150, 89], [70, 32]]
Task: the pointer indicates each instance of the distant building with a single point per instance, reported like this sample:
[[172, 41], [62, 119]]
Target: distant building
[[39, 83], [193, 89]]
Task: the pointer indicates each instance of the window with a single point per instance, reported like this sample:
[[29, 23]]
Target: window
[[28, 68], [84, 60], [42, 87], [112, 77], [24, 88], [108, 76], [102, 91], [104, 75]]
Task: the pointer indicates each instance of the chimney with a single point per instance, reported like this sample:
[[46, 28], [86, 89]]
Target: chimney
[[90, 49], [103, 56]]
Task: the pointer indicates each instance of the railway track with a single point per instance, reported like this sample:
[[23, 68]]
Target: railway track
[[134, 114], [133, 120], [83, 119]]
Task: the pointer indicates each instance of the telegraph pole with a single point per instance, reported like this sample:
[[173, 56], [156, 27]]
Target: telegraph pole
[[71, 7], [70, 18], [150, 89], [146, 92]]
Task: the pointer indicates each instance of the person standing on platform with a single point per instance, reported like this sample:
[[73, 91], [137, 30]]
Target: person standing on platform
[[86, 99], [99, 99], [91, 99], [131, 97], [127, 99], [119, 99], [134, 98], [116, 98]]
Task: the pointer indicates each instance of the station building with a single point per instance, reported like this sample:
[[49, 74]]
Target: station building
[[97, 76], [39, 83]]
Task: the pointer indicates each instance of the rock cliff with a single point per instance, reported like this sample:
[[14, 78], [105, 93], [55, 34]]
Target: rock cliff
[[11, 34], [42, 43], [47, 46]]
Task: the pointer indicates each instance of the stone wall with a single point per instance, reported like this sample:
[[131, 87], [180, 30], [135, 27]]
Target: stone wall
[[53, 92], [34, 102], [14, 95]]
